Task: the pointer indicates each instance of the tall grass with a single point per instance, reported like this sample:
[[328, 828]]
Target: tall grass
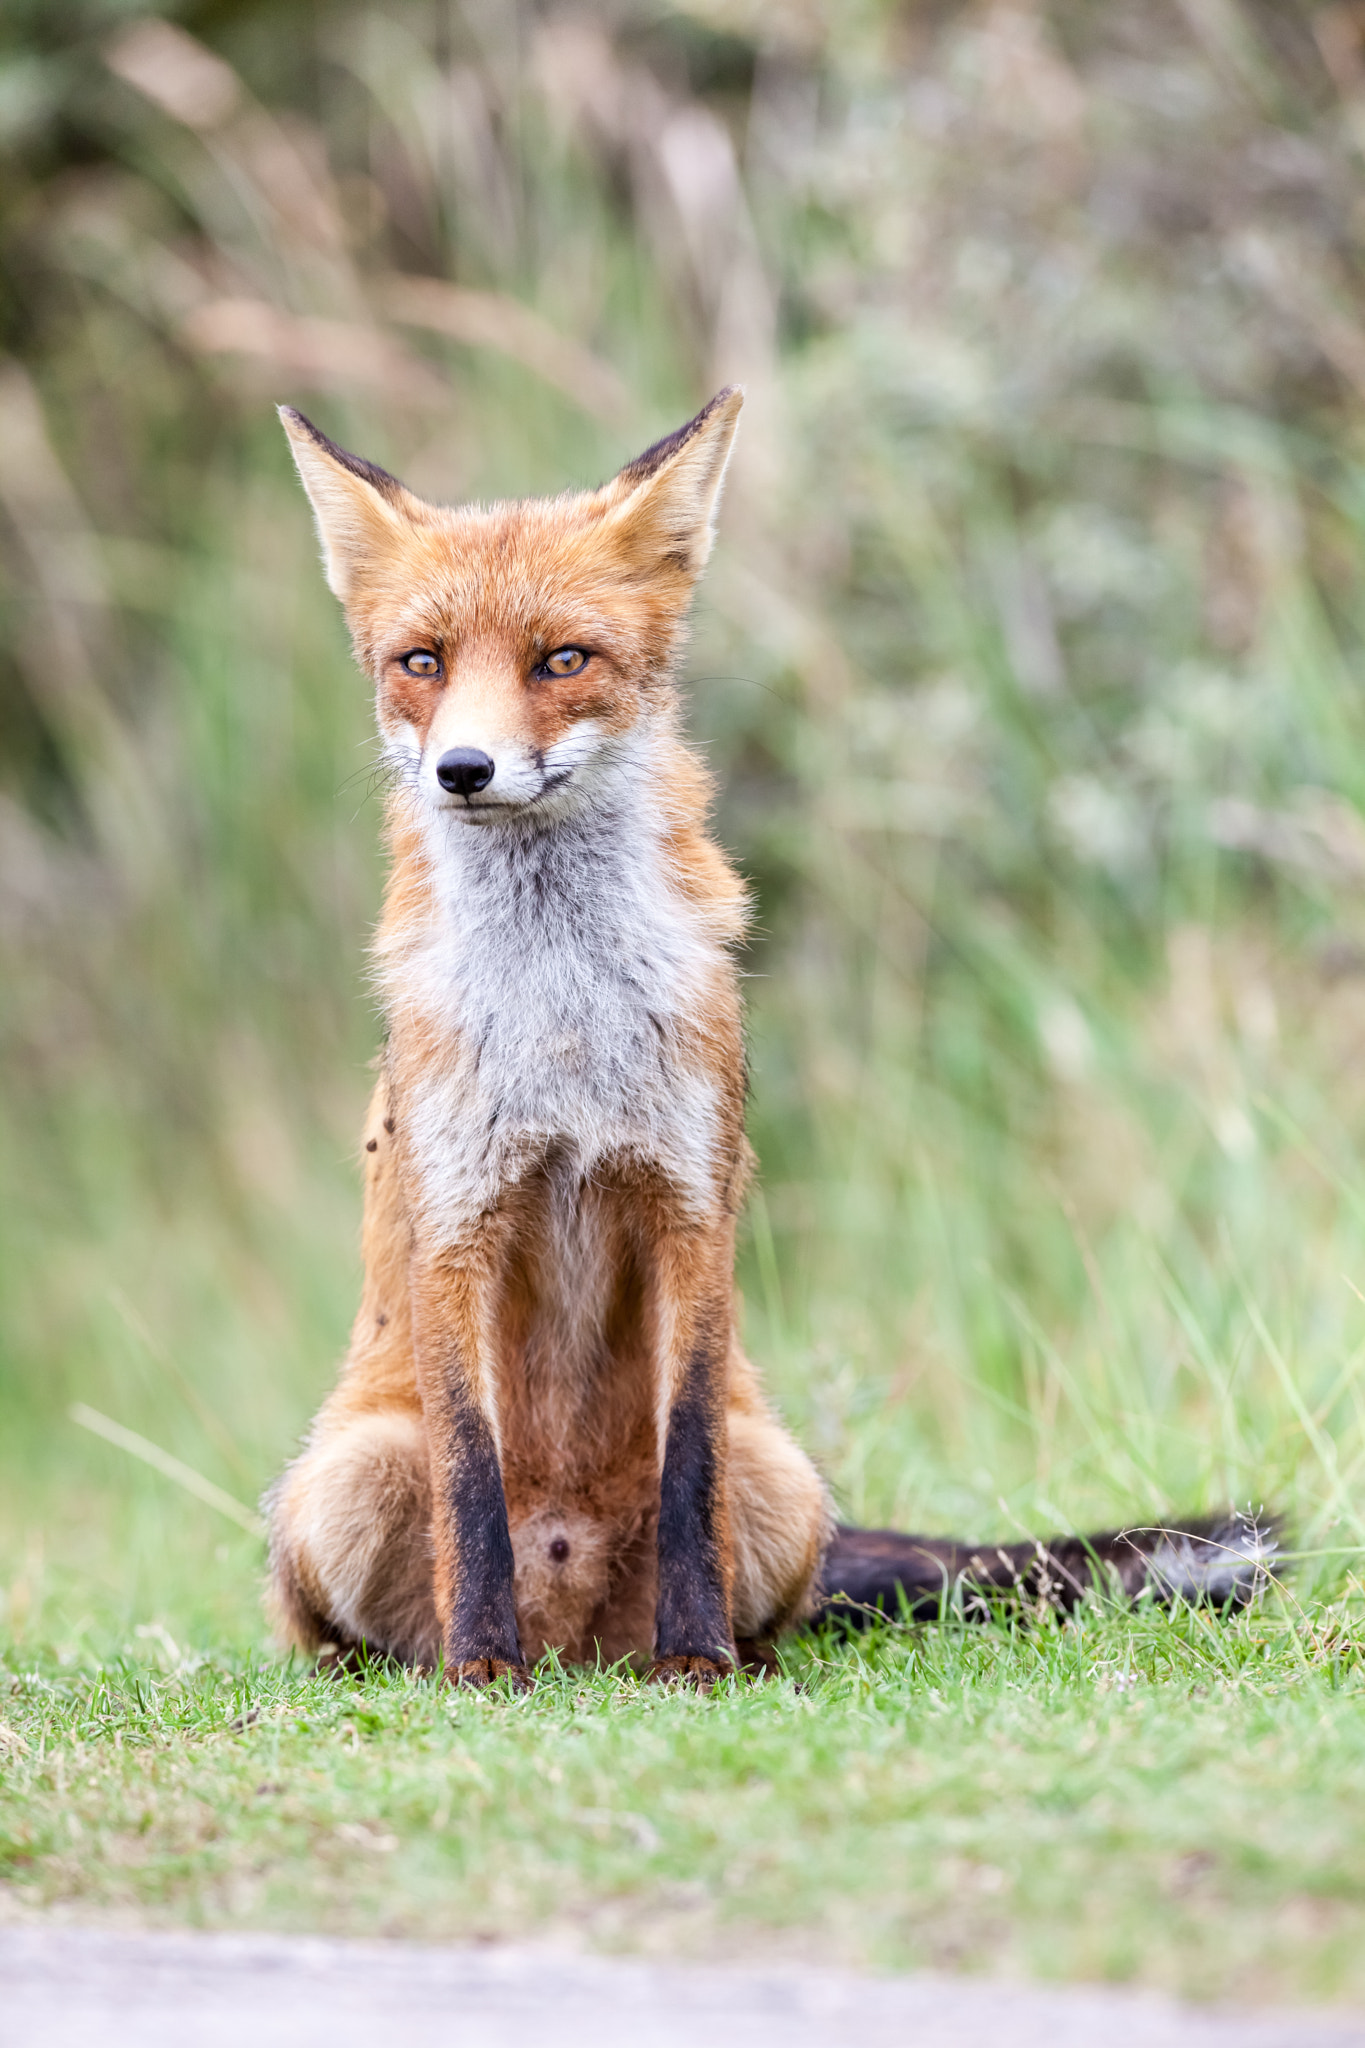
[[1030, 665]]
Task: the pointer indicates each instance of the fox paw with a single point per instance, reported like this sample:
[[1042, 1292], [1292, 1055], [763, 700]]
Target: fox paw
[[695, 1674], [757, 1657], [485, 1671]]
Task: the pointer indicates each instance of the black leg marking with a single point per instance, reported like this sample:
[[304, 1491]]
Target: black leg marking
[[484, 1623], [689, 1619]]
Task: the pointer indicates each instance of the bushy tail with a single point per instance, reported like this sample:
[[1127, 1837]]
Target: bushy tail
[[1221, 1560]]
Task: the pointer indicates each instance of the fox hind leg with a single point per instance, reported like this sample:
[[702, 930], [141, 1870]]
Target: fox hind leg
[[780, 1524], [350, 1541], [351, 1552]]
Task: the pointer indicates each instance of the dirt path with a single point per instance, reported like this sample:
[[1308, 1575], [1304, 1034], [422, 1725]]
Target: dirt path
[[68, 1987]]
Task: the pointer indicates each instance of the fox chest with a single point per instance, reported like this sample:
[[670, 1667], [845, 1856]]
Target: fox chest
[[557, 1029]]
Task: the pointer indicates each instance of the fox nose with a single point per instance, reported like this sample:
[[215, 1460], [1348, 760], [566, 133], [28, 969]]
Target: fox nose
[[464, 770]]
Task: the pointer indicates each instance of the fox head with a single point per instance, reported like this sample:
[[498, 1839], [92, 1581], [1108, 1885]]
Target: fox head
[[516, 649]]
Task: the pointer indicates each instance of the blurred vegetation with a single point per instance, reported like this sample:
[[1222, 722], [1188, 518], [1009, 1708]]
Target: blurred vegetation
[[1030, 664]]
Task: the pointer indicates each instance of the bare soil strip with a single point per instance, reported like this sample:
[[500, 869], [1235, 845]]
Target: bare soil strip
[[65, 1987]]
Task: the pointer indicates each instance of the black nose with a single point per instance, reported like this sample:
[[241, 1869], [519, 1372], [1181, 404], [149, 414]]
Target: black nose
[[464, 770]]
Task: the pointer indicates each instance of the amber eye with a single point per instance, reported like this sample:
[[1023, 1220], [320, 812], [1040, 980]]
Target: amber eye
[[421, 663], [565, 661]]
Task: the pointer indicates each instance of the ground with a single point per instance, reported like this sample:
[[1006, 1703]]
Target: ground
[[1176, 1801]]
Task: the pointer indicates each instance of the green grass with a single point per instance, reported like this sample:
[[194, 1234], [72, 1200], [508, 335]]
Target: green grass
[[1178, 1801]]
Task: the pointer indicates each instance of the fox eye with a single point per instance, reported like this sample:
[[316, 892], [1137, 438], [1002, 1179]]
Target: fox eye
[[565, 661], [421, 663]]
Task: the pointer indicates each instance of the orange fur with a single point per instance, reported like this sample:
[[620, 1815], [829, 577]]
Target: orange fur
[[545, 1402]]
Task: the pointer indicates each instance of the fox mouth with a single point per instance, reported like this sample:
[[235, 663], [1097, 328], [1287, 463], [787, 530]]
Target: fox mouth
[[505, 807]]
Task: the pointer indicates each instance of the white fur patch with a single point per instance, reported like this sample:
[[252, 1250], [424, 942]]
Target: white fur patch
[[564, 966]]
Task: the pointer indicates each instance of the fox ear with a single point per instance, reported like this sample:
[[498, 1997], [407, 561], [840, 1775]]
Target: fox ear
[[361, 511], [668, 498]]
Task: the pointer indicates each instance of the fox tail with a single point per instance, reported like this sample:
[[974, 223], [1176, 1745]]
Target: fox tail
[[1219, 1561]]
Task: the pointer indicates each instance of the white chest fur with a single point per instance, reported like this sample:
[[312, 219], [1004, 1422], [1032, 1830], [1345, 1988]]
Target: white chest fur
[[559, 969]]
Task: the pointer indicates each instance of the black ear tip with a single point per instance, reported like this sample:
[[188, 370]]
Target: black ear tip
[[729, 399], [656, 456], [369, 472]]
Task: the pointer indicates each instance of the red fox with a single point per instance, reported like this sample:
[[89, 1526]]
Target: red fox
[[546, 1434]]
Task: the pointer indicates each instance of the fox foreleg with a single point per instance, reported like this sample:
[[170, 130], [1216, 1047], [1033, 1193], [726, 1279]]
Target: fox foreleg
[[694, 1637], [471, 1539]]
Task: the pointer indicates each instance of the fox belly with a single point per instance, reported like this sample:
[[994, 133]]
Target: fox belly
[[577, 1415]]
